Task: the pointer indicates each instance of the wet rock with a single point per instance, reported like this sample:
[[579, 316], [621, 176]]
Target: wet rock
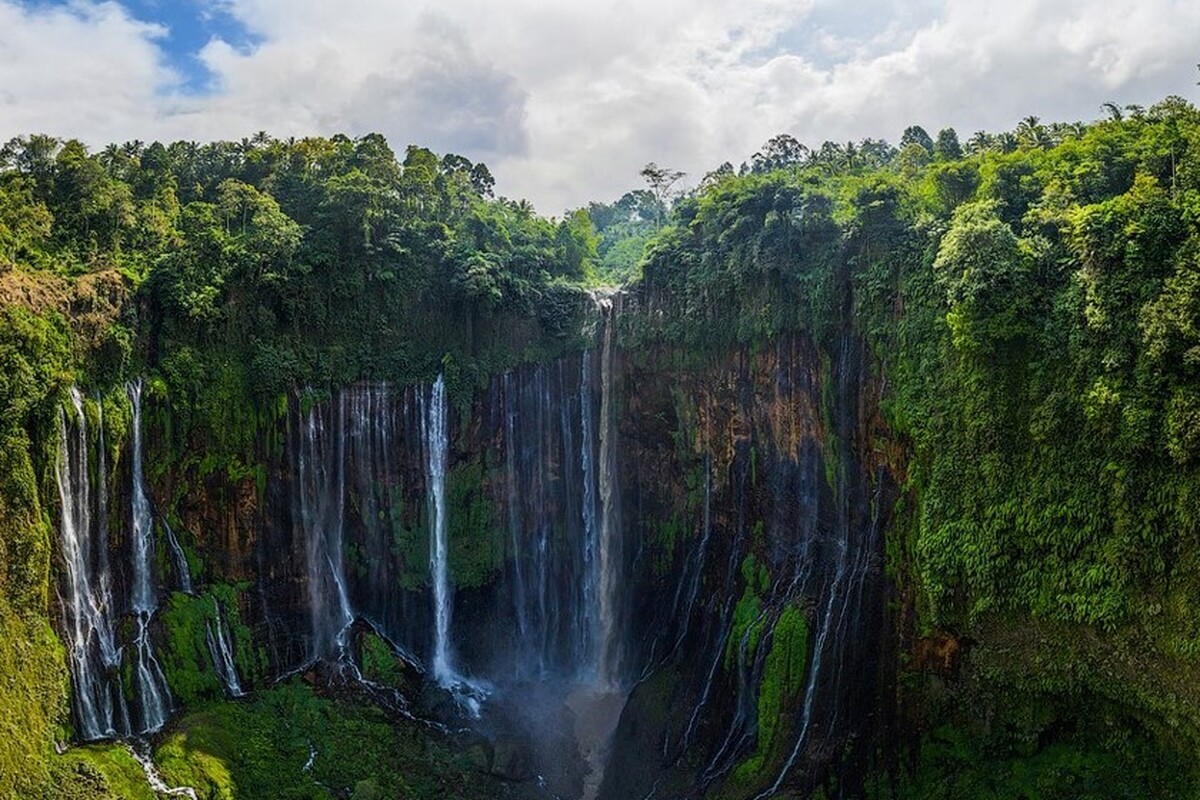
[[512, 759]]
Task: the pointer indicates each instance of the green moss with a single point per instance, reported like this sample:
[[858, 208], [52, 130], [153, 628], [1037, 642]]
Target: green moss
[[259, 748], [379, 663], [33, 695], [186, 660], [664, 535], [33, 675], [748, 620], [783, 675], [98, 772], [411, 543], [781, 686], [475, 554]]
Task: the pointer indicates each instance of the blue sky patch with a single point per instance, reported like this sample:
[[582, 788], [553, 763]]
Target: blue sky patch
[[190, 25]]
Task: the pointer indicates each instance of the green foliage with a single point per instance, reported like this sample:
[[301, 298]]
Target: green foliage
[[979, 266], [750, 258], [35, 358], [379, 663], [33, 701], [1049, 712], [98, 772], [749, 620], [623, 228], [1033, 307], [187, 661], [475, 550], [258, 748]]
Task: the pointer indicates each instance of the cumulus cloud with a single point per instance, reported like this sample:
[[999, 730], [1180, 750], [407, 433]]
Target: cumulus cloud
[[84, 67], [566, 101]]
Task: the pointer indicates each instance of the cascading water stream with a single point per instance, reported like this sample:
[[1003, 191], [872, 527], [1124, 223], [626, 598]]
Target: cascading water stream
[[109, 653], [843, 596], [591, 522], [141, 754], [92, 646], [221, 650], [608, 668], [512, 458], [321, 500], [178, 561], [436, 440], [149, 684]]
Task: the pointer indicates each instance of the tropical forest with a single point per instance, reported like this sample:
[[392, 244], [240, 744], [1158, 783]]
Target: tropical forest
[[855, 470]]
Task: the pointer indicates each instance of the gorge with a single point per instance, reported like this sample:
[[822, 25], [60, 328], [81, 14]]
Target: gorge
[[872, 480]]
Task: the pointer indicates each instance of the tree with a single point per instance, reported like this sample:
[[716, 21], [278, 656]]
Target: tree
[[979, 141], [915, 134], [947, 148], [780, 152], [660, 180], [1031, 133], [24, 222], [980, 268]]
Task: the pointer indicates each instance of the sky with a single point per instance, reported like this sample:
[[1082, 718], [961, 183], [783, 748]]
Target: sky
[[566, 101]]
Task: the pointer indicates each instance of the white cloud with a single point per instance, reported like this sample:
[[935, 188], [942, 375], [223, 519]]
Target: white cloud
[[566, 101], [84, 69]]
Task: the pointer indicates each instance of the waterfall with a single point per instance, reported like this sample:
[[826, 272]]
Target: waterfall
[[178, 561], [321, 501], [142, 537], [221, 649], [512, 466], [141, 754], [435, 435], [92, 648], [843, 597], [591, 524], [608, 542], [149, 684]]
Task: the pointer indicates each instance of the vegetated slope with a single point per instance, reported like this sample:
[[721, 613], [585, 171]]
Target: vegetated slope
[[1032, 306]]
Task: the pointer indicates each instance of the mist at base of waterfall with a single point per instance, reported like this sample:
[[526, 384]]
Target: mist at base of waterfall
[[563, 726]]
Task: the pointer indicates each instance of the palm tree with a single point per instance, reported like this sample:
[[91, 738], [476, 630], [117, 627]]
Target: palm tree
[[979, 141], [110, 156], [1114, 111], [1031, 133], [1007, 142]]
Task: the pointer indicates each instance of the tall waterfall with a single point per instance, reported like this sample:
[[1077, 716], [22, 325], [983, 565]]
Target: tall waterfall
[[590, 510], [437, 445], [87, 608], [608, 561], [320, 502], [142, 537], [148, 682]]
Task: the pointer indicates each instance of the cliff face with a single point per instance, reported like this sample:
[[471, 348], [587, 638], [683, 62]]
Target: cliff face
[[693, 541], [758, 486], [703, 535]]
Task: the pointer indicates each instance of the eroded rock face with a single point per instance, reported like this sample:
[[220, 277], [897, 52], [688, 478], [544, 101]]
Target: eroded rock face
[[758, 486], [746, 486]]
